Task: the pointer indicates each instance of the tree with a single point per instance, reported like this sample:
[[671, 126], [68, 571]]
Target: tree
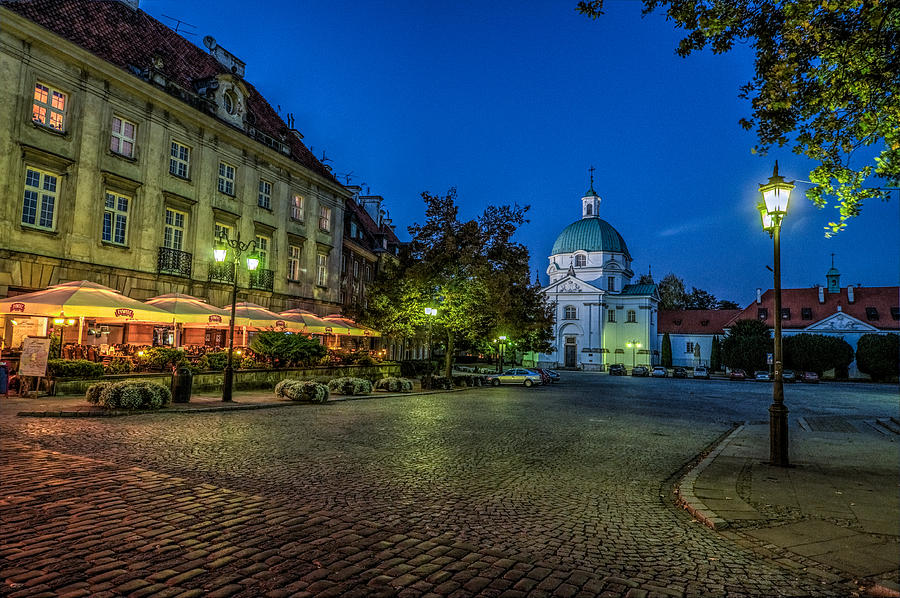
[[817, 353], [666, 351], [671, 293], [827, 80], [877, 355], [700, 299], [725, 304], [715, 355], [746, 345]]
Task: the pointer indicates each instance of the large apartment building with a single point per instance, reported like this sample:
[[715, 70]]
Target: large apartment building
[[126, 150]]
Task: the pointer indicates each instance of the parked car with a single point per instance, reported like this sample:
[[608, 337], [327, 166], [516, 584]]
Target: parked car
[[679, 373], [701, 372], [515, 376], [659, 372], [737, 375], [761, 375], [617, 369], [640, 371], [788, 376], [554, 376], [811, 377]]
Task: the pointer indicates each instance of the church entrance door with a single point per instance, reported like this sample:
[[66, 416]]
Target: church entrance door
[[571, 356]]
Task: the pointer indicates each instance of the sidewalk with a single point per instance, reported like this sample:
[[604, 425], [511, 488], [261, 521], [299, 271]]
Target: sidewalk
[[836, 509]]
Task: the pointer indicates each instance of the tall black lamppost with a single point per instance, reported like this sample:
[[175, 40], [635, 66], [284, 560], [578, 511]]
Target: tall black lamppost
[[776, 194], [502, 347], [220, 253], [431, 312]]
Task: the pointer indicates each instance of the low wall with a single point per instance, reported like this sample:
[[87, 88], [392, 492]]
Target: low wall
[[243, 379]]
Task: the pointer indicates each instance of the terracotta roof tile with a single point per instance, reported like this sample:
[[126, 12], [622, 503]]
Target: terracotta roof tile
[[131, 38], [695, 321]]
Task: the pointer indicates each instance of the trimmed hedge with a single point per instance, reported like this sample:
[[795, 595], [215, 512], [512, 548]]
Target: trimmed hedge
[[74, 368], [128, 395], [301, 390], [392, 384], [350, 386]]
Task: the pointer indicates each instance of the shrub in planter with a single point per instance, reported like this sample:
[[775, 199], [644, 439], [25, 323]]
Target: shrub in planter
[[438, 383], [216, 361], [118, 366], [162, 358], [410, 368], [392, 384], [92, 394], [74, 368], [133, 395], [302, 390], [248, 363], [350, 386]]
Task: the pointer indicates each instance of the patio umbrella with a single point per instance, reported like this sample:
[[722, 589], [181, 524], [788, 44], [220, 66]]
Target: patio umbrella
[[312, 323], [256, 317], [186, 309], [82, 299], [353, 328]]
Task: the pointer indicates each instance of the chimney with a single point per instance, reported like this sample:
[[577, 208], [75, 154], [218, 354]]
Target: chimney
[[758, 296], [821, 294], [850, 293], [224, 57]]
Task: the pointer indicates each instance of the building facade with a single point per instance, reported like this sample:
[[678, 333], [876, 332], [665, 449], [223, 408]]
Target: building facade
[[691, 333], [126, 151], [601, 317]]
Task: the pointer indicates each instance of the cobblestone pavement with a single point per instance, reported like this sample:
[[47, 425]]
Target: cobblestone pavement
[[554, 491]]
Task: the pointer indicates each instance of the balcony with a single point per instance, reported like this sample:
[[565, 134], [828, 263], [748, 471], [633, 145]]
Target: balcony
[[173, 261], [262, 280], [221, 272]]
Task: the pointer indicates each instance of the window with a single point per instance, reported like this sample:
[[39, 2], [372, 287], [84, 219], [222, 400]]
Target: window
[[355, 268], [262, 250], [785, 313], [229, 101], [632, 316], [297, 208], [611, 283], [325, 218], [611, 316], [121, 141], [588, 209], [570, 313], [806, 313], [173, 231], [321, 269], [344, 264], [223, 229], [689, 347], [580, 261], [49, 107], [353, 229], [39, 202], [762, 313], [226, 178], [115, 218], [179, 160], [264, 199], [293, 262], [368, 273], [872, 313], [895, 313]]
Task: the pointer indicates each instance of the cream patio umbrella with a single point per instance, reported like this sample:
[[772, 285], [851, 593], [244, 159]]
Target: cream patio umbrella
[[82, 299], [256, 317], [353, 329], [186, 309], [312, 323]]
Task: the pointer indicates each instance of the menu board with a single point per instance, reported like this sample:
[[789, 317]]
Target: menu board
[[33, 361]]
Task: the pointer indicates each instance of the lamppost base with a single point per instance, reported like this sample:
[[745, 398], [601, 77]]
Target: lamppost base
[[778, 435], [227, 384]]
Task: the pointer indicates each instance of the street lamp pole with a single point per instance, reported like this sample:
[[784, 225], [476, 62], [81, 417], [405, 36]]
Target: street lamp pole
[[633, 345], [220, 253], [431, 312], [776, 195]]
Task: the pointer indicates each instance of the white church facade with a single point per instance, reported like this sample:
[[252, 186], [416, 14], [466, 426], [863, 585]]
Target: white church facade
[[601, 317]]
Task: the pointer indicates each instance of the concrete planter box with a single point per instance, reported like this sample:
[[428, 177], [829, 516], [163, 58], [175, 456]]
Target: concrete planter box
[[243, 379]]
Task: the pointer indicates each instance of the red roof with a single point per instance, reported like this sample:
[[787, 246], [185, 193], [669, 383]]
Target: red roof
[[882, 299], [131, 38], [695, 321]]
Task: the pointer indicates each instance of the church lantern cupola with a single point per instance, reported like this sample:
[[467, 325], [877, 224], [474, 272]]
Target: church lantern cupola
[[590, 203], [833, 276]]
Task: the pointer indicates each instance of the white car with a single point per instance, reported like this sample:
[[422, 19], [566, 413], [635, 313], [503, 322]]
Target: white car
[[659, 372], [515, 376]]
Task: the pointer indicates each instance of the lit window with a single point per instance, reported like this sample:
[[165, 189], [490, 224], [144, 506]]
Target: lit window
[[632, 316], [293, 262], [173, 231], [49, 107], [806, 313], [226, 178], [611, 316], [262, 250], [39, 202], [325, 218], [762, 313], [297, 208], [115, 218], [322, 269], [570, 313], [264, 199], [580, 261], [179, 160], [121, 141], [785, 313]]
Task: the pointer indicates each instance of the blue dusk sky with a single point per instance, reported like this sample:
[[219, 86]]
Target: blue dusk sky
[[512, 102]]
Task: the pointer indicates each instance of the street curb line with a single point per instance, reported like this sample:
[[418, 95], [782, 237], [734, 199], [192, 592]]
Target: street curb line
[[686, 498]]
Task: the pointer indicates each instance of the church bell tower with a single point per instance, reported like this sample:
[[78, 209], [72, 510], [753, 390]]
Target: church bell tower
[[590, 203]]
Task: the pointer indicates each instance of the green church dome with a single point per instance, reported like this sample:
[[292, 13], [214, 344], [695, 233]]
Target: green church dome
[[590, 234]]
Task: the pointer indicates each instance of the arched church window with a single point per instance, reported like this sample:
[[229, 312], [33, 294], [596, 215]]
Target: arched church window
[[588, 210], [580, 261], [632, 316], [571, 313]]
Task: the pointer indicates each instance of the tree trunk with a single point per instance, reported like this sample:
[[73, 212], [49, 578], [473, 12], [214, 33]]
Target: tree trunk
[[448, 356]]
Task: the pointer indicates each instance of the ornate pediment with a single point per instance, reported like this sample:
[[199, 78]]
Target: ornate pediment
[[570, 284], [840, 322]]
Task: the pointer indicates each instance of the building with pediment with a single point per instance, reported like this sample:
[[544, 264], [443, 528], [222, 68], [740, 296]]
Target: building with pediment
[[601, 317]]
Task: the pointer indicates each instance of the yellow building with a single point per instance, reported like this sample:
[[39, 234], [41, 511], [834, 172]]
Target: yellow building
[[125, 150]]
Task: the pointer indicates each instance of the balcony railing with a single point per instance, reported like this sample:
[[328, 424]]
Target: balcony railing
[[263, 280], [221, 272], [173, 261]]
